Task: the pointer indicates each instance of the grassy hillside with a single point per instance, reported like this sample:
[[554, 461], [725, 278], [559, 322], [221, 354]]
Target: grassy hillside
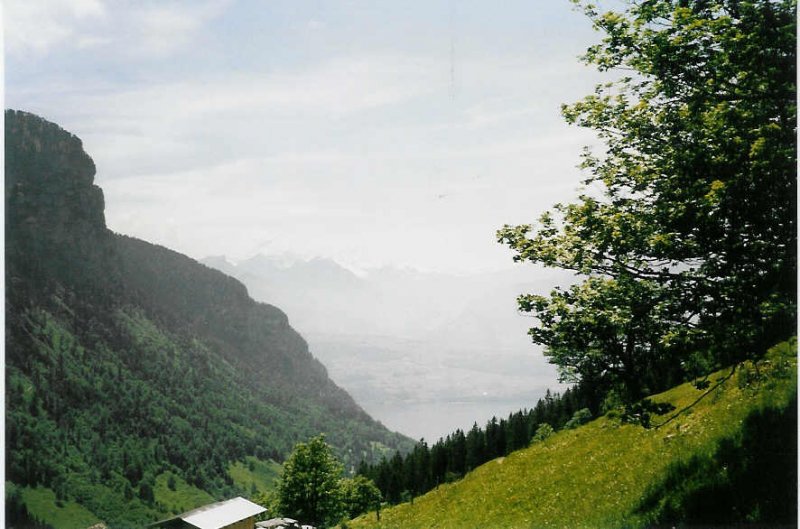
[[47, 508], [611, 474], [175, 496], [254, 475]]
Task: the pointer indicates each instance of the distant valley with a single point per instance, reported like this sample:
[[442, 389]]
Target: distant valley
[[425, 353]]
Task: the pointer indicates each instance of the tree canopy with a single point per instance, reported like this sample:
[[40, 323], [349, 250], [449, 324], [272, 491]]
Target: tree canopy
[[313, 490], [359, 495], [684, 237], [309, 489]]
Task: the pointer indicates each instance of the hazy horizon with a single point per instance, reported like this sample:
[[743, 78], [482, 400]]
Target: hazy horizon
[[424, 353], [378, 136], [372, 134]]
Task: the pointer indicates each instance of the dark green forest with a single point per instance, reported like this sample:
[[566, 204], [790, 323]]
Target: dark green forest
[[126, 360]]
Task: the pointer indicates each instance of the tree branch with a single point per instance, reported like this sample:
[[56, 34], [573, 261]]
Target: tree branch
[[701, 397]]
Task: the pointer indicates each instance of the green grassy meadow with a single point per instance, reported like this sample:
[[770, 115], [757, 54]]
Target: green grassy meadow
[[255, 475], [251, 475], [597, 475], [63, 514], [183, 498]]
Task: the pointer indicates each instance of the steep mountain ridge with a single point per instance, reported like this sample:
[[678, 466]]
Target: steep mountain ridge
[[127, 361]]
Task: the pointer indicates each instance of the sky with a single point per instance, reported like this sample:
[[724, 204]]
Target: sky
[[373, 133]]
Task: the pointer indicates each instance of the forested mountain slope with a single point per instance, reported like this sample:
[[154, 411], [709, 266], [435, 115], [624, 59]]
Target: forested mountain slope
[[128, 362]]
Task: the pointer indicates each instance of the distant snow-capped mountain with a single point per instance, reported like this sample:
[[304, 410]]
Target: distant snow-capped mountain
[[400, 338]]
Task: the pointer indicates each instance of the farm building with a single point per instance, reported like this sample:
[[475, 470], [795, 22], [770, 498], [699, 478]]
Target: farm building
[[237, 513]]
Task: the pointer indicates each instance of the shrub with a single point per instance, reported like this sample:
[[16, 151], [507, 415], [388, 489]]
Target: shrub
[[581, 416], [543, 431]]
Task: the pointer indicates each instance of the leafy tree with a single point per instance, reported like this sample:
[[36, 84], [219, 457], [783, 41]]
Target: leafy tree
[[359, 495], [268, 500], [685, 238], [309, 489]]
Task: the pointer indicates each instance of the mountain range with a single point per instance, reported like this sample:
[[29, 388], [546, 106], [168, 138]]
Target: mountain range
[[128, 363], [424, 352]]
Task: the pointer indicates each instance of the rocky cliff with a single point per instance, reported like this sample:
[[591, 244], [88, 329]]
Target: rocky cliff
[[128, 362]]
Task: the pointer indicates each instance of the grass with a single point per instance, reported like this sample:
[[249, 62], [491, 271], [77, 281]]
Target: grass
[[41, 503], [256, 474], [185, 497], [596, 475]]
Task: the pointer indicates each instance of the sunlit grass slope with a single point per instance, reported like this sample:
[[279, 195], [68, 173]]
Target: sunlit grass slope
[[254, 475], [596, 475], [181, 496], [42, 503]]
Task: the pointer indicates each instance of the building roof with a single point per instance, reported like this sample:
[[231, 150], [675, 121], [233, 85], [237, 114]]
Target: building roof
[[220, 514], [279, 523]]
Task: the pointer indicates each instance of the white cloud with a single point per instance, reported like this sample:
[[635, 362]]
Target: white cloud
[[37, 27], [161, 126], [363, 156], [164, 28], [338, 87], [135, 29]]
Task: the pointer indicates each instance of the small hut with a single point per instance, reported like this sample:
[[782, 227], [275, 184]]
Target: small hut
[[237, 513]]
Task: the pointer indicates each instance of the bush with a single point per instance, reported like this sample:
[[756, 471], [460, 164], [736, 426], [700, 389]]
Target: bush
[[581, 416], [611, 402], [543, 431]]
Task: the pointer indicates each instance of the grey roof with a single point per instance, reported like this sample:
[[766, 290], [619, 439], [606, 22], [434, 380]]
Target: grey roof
[[220, 514]]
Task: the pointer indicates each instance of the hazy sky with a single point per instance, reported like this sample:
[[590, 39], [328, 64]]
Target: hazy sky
[[374, 133]]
